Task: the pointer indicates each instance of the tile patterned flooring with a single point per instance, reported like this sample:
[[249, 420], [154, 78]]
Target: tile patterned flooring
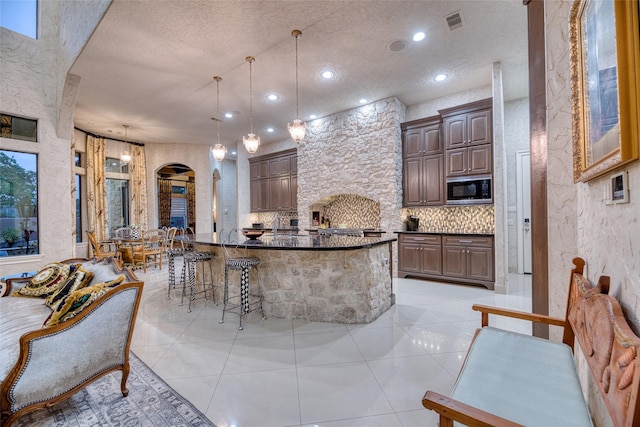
[[279, 372]]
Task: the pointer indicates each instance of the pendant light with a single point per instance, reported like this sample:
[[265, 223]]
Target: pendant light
[[298, 128], [125, 156], [218, 150], [251, 141]]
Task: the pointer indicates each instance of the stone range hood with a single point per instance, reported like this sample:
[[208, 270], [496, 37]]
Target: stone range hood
[[348, 211]]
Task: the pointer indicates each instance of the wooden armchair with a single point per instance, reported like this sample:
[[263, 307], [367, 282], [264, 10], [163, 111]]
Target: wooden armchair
[[101, 249], [152, 244]]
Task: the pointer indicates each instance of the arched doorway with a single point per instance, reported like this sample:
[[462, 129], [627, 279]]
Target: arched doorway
[[176, 196]]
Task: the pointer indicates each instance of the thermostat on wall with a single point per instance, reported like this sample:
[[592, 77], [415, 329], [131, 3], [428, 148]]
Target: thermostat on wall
[[619, 188]]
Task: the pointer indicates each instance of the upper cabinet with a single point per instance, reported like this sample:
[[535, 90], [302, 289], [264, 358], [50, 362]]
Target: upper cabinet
[[274, 182], [422, 163], [468, 137]]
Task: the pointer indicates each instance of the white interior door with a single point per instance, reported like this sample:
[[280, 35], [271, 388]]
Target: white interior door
[[523, 176]]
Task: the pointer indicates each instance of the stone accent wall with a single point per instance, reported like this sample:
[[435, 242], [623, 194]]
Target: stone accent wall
[[324, 286], [354, 152], [454, 219]]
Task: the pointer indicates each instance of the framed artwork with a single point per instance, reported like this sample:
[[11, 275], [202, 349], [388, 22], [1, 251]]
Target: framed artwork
[[605, 85]]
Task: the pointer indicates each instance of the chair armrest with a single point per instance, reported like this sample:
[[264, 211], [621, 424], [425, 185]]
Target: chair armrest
[[14, 280], [451, 410], [540, 318]]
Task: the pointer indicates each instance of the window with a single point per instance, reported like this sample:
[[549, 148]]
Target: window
[[20, 16], [18, 127], [115, 165], [118, 202], [18, 203], [81, 195]]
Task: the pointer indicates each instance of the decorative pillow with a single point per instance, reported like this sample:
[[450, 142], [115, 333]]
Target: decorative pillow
[[73, 304], [46, 281], [77, 280], [103, 270]]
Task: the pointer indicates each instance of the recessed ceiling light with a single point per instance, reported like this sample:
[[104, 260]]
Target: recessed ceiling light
[[363, 101], [313, 116], [441, 77], [228, 115], [328, 74], [419, 36], [270, 130], [272, 97], [234, 153]]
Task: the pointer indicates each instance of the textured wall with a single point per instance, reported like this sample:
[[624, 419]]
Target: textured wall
[[354, 152], [352, 211], [516, 137], [431, 107], [32, 85]]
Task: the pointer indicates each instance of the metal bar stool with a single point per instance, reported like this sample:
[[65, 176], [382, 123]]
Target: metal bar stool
[[172, 254], [244, 304], [191, 261]]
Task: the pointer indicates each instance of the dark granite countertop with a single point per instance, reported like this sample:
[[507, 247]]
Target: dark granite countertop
[[444, 233], [297, 242]]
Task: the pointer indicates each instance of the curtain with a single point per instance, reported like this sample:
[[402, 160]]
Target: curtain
[[74, 193], [164, 202], [138, 186], [191, 204], [97, 213]]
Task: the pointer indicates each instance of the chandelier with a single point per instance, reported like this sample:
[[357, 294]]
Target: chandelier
[[125, 156], [251, 141], [218, 150], [298, 128]]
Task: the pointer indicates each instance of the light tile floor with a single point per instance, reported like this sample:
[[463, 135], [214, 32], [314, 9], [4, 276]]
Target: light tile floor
[[279, 372]]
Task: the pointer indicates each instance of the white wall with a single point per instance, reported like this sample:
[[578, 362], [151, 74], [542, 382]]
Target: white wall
[[33, 86]]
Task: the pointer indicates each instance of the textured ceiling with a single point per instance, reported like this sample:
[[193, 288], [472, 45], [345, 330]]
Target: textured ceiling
[[150, 64]]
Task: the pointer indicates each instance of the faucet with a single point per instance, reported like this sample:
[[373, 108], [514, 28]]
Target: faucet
[[276, 224]]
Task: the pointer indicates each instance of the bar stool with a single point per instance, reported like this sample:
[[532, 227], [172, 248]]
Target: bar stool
[[191, 261], [172, 254], [244, 305]]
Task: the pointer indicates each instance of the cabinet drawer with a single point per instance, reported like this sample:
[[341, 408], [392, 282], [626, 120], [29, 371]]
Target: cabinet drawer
[[429, 239], [480, 241]]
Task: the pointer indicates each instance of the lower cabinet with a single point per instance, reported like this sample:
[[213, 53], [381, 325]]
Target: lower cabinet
[[454, 258]]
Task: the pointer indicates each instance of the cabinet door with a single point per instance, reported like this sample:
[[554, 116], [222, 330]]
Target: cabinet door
[[279, 193], [259, 170], [479, 127], [432, 142], [285, 192], [454, 261], [294, 163], [457, 162], [413, 143], [480, 159], [431, 259], [259, 195], [412, 192], [409, 257], [480, 263], [433, 174], [455, 131], [279, 166]]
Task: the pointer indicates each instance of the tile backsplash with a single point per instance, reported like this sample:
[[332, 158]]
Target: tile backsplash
[[454, 219]]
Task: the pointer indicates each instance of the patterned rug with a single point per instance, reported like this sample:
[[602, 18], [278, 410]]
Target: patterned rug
[[151, 402]]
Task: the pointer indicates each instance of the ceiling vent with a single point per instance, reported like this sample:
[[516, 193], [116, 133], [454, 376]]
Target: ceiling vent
[[455, 20]]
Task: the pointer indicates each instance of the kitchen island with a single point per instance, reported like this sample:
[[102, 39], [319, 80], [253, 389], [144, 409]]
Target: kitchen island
[[339, 279]]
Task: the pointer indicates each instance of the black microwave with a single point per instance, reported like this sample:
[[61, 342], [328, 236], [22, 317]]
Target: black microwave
[[469, 190]]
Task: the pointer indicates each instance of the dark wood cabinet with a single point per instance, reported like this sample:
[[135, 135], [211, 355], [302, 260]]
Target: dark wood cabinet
[[468, 136], [474, 160], [274, 182], [423, 163], [456, 258], [468, 257], [420, 253]]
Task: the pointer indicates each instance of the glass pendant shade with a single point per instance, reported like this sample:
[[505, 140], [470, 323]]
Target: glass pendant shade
[[219, 151], [251, 143], [297, 130], [125, 156]]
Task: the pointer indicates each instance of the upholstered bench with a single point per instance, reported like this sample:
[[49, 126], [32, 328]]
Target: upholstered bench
[[510, 379]]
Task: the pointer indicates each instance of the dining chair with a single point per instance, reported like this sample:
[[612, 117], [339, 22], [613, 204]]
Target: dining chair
[[152, 244], [101, 249]]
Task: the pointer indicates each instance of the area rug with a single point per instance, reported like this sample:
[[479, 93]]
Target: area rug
[[151, 402]]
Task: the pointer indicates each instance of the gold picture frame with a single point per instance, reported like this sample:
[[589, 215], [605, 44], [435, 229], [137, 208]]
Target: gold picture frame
[[605, 86]]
